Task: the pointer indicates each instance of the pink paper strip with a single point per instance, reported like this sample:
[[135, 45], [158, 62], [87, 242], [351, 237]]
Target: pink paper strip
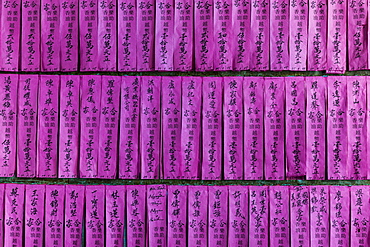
[[95, 211], [279, 35], [191, 126], [10, 35], [8, 123], [108, 131], [127, 38], [274, 128], [50, 35], [157, 214], [177, 218], [171, 124], [48, 114], [360, 215], [337, 36], [88, 27], [241, 24], [203, 35], [54, 214], [238, 233], [233, 128], [316, 127], [319, 216], [30, 37], [150, 126], [107, 35], [145, 35], [339, 216], [337, 138], [317, 32], [279, 215], [253, 88], [69, 126], [14, 212], [217, 215], [212, 122], [259, 37], [368, 121], [258, 216], [129, 158], [69, 35], [90, 93], [197, 216], [34, 215], [2, 190], [356, 127], [136, 221], [115, 215], [73, 218], [299, 216], [183, 35]]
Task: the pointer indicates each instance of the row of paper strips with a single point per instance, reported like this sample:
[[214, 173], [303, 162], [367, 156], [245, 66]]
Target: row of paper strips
[[183, 35], [207, 128], [179, 216]]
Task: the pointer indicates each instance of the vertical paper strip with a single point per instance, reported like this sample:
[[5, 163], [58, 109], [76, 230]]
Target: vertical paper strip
[[126, 33], [50, 35], [337, 36], [177, 218], [319, 216], [115, 215], [95, 214], [316, 89], [241, 25], [197, 216], [48, 117], [233, 128], [171, 125], [238, 233], [299, 216], [14, 212], [337, 138], [212, 128], [253, 103], [2, 194], [73, 217], [90, 93], [217, 215], [274, 128], [191, 126], [69, 126], [258, 216], [136, 221], [339, 216], [368, 121], [34, 215], [54, 215], [129, 158], [157, 214], [108, 129], [150, 126], [26, 128], [88, 25], [360, 215], [279, 35]]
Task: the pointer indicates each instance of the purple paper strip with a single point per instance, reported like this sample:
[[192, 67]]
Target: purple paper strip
[[258, 216], [360, 215], [14, 212], [74, 212], [357, 127], [88, 27], [69, 126], [233, 128], [171, 125], [136, 221], [339, 216], [30, 37], [150, 126], [115, 215], [34, 215], [279, 35], [54, 214], [368, 121], [2, 190], [127, 21], [212, 122], [319, 216], [274, 128], [8, 123], [217, 215], [238, 233], [157, 214], [197, 216], [241, 25], [253, 88], [316, 127], [108, 131], [95, 211], [177, 218], [191, 126], [337, 138], [48, 114], [299, 216], [129, 158], [50, 35]]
